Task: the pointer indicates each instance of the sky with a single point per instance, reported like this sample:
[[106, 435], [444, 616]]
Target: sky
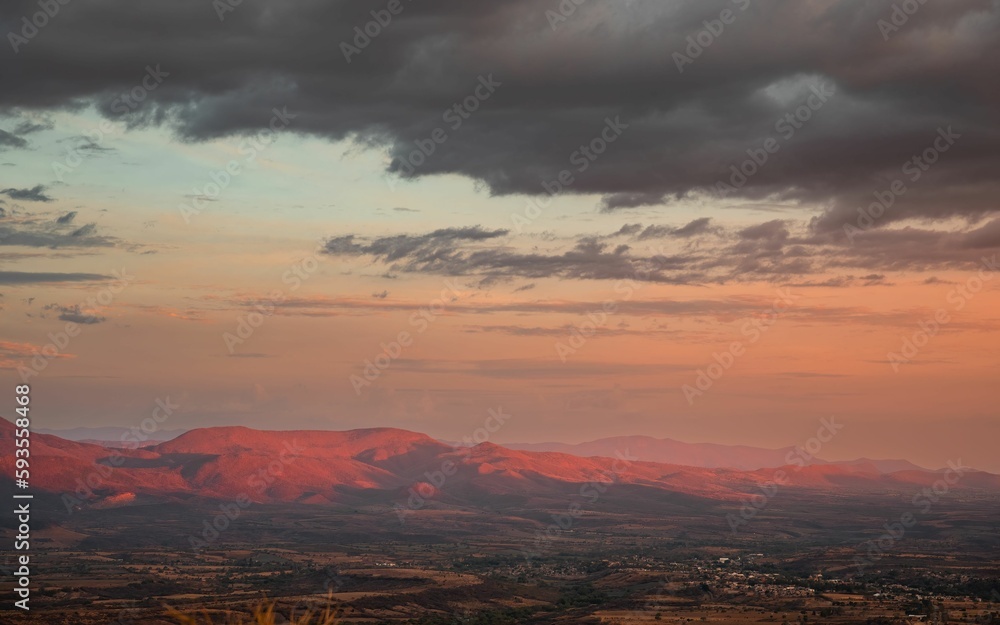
[[714, 221]]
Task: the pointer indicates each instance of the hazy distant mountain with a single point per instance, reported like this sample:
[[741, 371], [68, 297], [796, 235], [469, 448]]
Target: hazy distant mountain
[[384, 466], [112, 435], [707, 455], [885, 466]]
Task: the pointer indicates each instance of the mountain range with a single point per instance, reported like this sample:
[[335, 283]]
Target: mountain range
[[645, 448], [708, 455], [387, 466]]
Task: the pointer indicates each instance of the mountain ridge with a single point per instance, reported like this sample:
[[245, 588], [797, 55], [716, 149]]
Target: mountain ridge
[[708, 455], [647, 448], [382, 465]]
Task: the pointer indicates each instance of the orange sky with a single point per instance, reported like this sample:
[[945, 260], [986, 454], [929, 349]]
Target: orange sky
[[826, 352], [586, 221]]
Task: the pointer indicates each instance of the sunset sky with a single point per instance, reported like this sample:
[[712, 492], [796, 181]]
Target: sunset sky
[[576, 248]]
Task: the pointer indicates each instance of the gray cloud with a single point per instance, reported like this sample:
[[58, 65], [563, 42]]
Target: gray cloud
[[629, 230], [84, 231], [11, 140], [34, 194], [777, 251], [14, 138], [43, 231], [425, 247], [702, 225], [558, 86], [696, 227], [458, 252], [40, 238], [25, 277], [985, 237], [75, 314], [30, 126]]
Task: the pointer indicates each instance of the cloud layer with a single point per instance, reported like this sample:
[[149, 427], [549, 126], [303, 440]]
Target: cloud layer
[[700, 252], [559, 80]]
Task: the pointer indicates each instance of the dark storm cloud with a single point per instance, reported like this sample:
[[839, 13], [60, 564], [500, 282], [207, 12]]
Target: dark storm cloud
[[559, 85], [985, 237], [67, 218], [34, 194], [630, 200]]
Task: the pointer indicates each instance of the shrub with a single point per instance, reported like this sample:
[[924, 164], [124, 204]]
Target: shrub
[[262, 615]]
